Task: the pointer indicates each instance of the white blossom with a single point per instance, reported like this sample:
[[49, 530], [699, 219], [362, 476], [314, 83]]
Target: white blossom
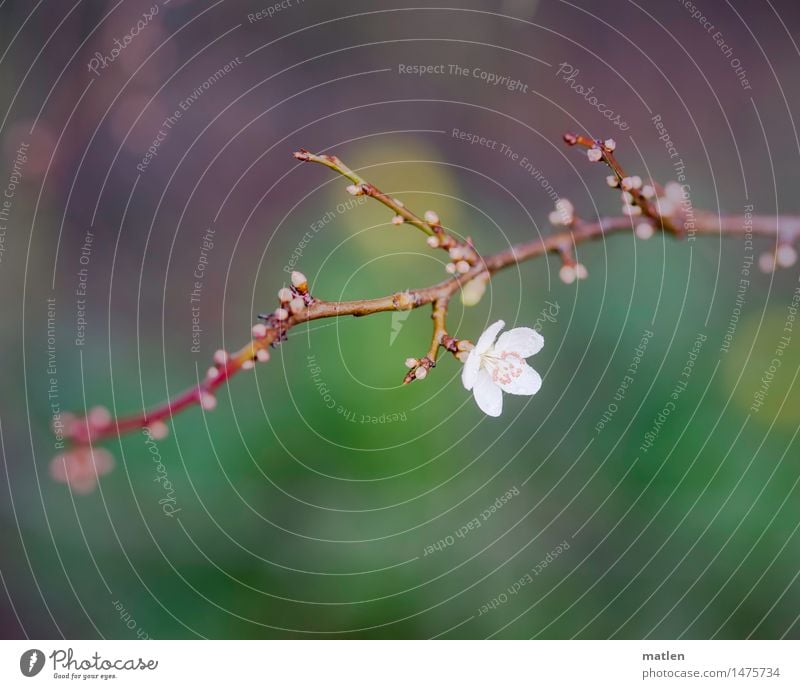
[[493, 368]]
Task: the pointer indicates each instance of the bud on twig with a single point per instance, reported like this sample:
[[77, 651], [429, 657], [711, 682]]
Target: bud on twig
[[299, 282]]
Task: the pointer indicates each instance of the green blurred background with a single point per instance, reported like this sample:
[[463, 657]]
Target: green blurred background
[[308, 499]]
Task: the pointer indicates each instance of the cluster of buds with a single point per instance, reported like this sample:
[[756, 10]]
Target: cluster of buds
[[356, 189], [596, 150], [82, 430], [629, 205], [418, 368], [671, 200], [83, 464], [97, 422], [637, 196], [296, 298], [571, 270], [462, 254], [293, 300], [221, 360], [463, 258], [80, 467], [459, 348], [630, 186], [599, 149]]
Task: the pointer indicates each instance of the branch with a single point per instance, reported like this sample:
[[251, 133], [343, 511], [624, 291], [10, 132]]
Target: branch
[[647, 207], [462, 253], [418, 368]]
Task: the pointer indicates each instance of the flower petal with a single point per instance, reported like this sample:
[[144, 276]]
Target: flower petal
[[488, 396], [528, 383], [469, 374], [486, 340], [473, 291], [524, 341]]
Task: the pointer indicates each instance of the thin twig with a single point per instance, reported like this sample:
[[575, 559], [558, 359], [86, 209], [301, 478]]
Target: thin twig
[[298, 306]]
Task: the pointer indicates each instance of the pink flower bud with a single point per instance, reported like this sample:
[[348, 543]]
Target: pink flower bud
[[262, 355], [567, 274], [285, 294], [80, 467], [431, 218], [259, 331], [595, 155], [207, 401], [299, 281], [98, 417], [158, 430]]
